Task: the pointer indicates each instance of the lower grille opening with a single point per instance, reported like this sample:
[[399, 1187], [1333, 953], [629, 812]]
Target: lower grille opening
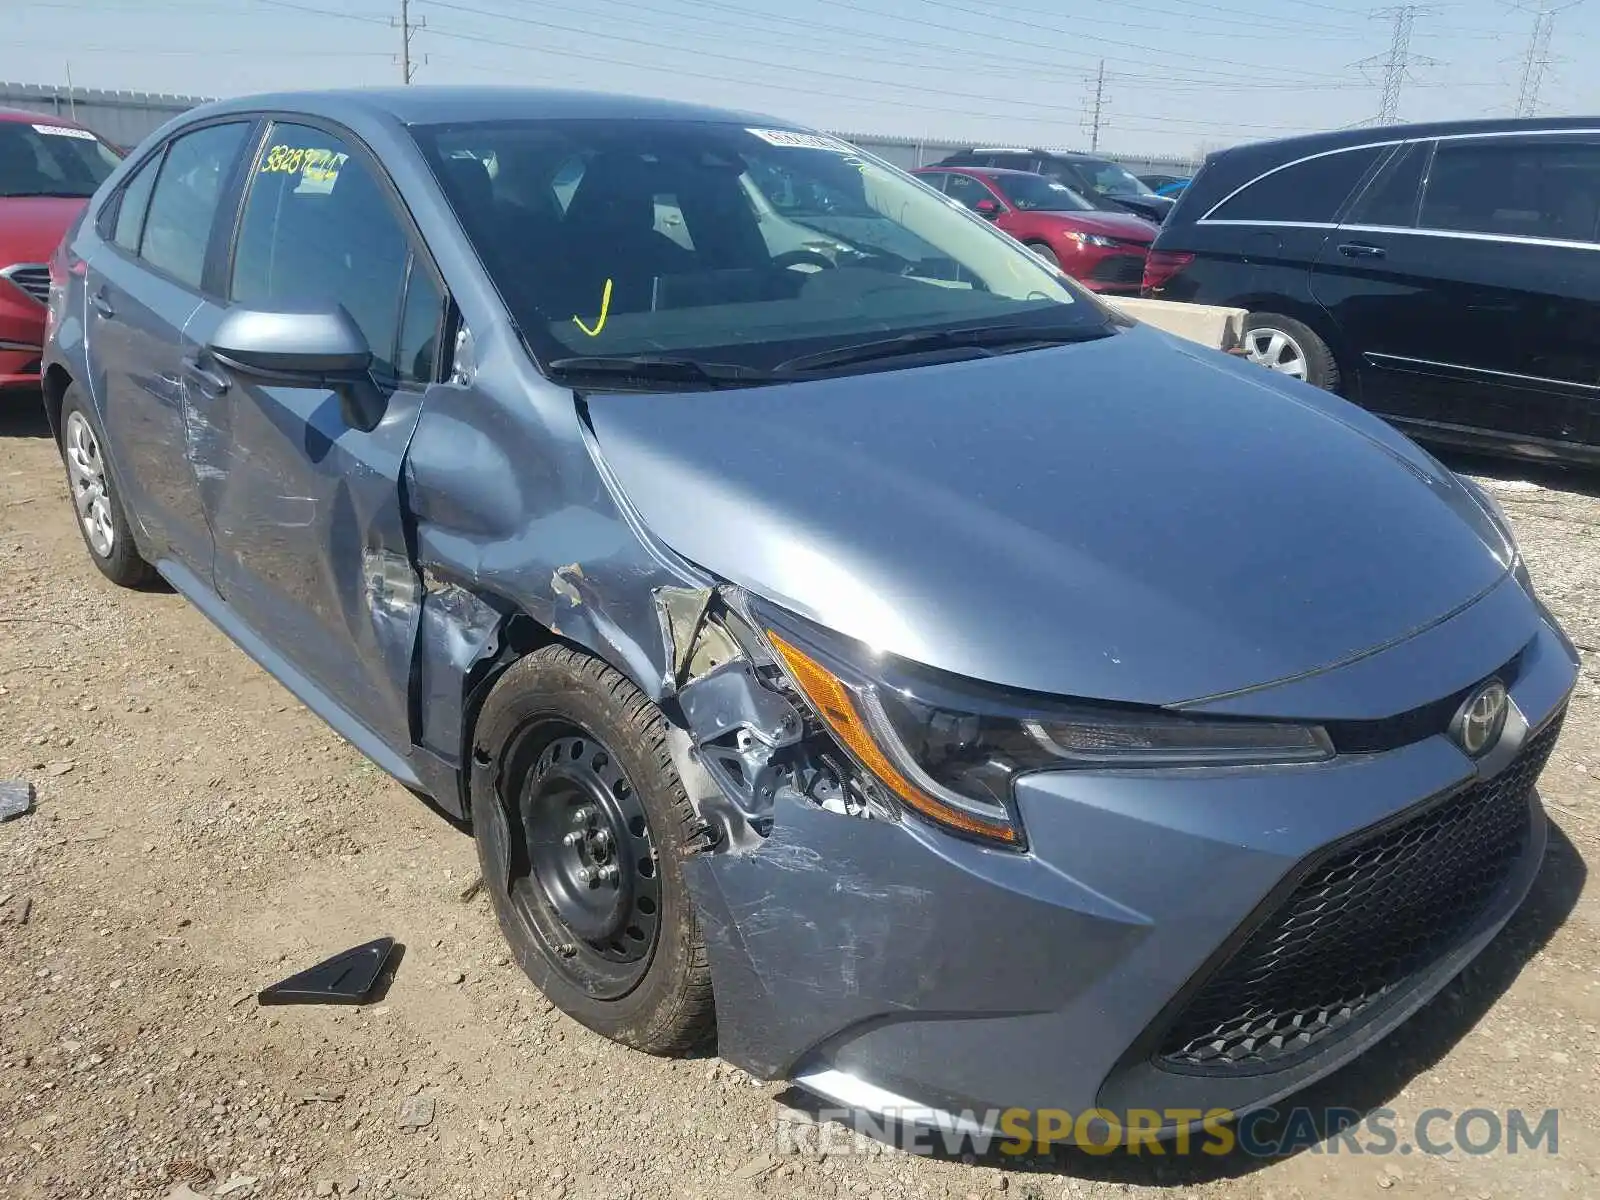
[[1359, 927]]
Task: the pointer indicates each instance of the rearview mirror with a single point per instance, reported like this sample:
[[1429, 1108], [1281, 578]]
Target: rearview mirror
[[322, 348]]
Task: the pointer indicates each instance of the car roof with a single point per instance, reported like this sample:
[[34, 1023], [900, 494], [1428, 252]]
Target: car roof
[[21, 115], [436, 104], [986, 172], [1311, 143]]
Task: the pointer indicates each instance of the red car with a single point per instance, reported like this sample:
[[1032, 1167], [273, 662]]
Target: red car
[[48, 170], [1103, 250]]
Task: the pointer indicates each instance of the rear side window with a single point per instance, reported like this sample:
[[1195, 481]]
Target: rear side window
[[132, 204], [177, 228], [1392, 198], [1534, 187], [1311, 191], [319, 230]]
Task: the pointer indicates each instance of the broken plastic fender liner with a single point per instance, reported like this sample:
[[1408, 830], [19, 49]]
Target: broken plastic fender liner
[[346, 978]]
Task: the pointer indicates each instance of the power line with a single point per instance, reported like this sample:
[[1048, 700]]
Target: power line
[[1398, 62], [1537, 60], [1096, 117], [408, 30]]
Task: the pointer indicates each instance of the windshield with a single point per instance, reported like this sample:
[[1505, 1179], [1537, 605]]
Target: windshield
[[1112, 180], [1035, 193], [726, 245], [45, 159]]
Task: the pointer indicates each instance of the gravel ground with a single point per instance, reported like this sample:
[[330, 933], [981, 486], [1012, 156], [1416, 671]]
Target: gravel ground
[[199, 834]]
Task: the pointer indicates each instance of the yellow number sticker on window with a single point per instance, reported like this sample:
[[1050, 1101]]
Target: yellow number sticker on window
[[318, 168]]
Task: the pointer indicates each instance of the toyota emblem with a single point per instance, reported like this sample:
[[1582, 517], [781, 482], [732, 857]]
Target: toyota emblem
[[1480, 720]]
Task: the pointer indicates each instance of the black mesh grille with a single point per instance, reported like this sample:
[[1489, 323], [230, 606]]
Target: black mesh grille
[[1127, 269], [35, 280], [1359, 926]]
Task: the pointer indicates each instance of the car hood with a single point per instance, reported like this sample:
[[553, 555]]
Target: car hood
[[1124, 227], [31, 227], [1133, 518]]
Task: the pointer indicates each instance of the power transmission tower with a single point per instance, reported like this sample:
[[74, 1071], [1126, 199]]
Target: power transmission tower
[[408, 30], [1095, 118], [1398, 62], [1537, 60]]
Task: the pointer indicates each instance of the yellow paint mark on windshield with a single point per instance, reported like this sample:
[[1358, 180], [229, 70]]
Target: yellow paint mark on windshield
[[605, 307]]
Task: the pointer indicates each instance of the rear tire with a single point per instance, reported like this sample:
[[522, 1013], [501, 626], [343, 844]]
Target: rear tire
[[1291, 348], [582, 824], [102, 521]]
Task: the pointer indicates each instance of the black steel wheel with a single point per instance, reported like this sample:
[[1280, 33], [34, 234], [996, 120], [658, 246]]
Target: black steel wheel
[[582, 824], [587, 877]]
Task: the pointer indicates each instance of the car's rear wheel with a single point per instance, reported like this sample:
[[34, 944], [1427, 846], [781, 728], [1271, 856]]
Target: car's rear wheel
[[1291, 348], [582, 824], [101, 518]]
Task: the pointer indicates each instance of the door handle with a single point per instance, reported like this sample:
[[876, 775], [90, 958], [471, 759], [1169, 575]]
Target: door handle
[[101, 304], [212, 384], [1362, 250]]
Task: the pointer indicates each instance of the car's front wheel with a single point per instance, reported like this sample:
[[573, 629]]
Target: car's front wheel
[[582, 824], [1291, 348], [102, 520]]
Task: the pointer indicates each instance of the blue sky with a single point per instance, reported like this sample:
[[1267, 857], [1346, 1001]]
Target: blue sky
[[1181, 74]]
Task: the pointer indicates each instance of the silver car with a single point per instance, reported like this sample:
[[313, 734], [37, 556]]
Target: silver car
[[876, 652]]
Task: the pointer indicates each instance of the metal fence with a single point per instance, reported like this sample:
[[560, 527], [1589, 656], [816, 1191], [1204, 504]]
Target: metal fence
[[126, 117]]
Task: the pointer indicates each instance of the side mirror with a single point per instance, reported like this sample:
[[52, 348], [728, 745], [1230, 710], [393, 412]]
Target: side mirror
[[989, 210], [322, 348]]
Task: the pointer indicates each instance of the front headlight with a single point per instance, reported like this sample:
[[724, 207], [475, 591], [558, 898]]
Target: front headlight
[[1092, 239], [948, 749]]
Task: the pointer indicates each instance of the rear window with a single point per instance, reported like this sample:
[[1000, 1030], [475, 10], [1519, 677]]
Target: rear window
[[1311, 191], [43, 158], [1392, 198]]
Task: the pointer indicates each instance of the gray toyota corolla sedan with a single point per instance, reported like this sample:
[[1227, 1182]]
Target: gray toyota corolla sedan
[[840, 630]]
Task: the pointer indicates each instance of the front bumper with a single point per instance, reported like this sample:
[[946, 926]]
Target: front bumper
[[891, 968], [22, 320]]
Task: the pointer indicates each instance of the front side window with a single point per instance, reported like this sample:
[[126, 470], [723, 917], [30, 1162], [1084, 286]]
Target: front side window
[[41, 158], [718, 242], [318, 230], [967, 191], [1533, 187], [177, 227]]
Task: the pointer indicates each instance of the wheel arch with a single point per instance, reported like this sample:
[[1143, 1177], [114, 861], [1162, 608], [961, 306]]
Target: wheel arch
[[54, 384]]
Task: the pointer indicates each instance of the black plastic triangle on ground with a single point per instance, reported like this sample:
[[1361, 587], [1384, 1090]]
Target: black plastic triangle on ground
[[347, 978]]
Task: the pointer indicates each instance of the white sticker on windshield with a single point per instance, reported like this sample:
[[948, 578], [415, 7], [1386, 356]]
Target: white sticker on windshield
[[64, 131], [802, 141]]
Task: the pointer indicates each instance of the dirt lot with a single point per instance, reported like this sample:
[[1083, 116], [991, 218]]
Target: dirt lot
[[199, 834]]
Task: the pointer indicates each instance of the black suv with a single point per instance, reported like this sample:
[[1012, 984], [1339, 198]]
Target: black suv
[[1445, 276], [1098, 180]]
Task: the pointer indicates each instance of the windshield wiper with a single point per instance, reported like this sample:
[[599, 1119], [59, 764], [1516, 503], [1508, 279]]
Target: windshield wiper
[[656, 369], [982, 338]]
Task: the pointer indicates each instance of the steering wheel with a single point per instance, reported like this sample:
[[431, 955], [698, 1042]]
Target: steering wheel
[[790, 259]]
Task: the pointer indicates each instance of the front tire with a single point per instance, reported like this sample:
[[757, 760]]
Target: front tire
[[1291, 348], [1044, 252], [582, 824], [101, 518]]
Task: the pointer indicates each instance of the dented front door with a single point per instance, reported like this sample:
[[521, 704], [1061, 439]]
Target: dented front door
[[310, 545], [311, 550]]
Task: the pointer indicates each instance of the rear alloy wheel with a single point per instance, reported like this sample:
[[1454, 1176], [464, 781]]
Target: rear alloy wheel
[[1290, 348], [101, 519], [582, 824]]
